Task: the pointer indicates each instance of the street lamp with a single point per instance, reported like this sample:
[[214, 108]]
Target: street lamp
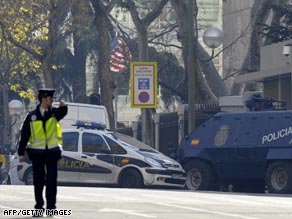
[[213, 38], [16, 107]]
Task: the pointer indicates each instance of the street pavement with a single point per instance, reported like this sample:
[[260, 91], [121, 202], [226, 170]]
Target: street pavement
[[116, 203]]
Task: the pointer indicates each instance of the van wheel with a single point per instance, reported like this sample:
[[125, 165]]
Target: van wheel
[[279, 177], [131, 178], [28, 177], [200, 176]]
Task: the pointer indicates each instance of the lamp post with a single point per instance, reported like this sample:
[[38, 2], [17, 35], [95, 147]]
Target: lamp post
[[213, 38], [191, 68], [16, 108]]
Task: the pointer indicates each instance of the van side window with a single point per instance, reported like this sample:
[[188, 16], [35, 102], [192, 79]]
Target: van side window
[[70, 141], [93, 143], [115, 147]]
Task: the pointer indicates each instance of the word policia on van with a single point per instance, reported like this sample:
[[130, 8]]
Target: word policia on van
[[277, 135]]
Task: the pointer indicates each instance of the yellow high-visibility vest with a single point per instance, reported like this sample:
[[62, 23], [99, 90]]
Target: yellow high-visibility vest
[[39, 139], [2, 158], [2, 162]]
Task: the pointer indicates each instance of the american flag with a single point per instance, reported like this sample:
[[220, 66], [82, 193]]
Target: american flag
[[120, 55]]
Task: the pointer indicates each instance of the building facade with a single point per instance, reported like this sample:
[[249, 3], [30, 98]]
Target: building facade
[[236, 27], [275, 73]]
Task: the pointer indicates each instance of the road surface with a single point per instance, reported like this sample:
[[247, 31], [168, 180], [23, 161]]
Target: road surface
[[116, 203]]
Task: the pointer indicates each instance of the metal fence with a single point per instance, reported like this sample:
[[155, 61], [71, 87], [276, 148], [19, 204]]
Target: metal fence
[[170, 128]]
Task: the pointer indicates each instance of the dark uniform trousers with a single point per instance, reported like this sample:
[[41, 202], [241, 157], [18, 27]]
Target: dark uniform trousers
[[45, 169]]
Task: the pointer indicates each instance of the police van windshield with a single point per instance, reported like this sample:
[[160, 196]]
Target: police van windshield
[[133, 142]]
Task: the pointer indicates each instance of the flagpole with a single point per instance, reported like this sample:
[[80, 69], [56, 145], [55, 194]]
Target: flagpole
[[116, 94], [119, 59], [116, 103]]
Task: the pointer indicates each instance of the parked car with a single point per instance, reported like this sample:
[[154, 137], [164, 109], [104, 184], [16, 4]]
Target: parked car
[[13, 178], [92, 154]]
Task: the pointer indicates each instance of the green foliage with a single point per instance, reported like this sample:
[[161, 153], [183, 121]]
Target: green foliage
[[277, 33], [281, 29]]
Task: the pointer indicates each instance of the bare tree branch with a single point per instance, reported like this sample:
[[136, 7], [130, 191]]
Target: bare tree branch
[[166, 45], [110, 6], [134, 13], [163, 32], [151, 16]]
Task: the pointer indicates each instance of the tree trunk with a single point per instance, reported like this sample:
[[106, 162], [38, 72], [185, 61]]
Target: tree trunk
[[105, 76], [47, 73], [203, 93], [50, 45], [79, 74], [6, 129], [146, 114]]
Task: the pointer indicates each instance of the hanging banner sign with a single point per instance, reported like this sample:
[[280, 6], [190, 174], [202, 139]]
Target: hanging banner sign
[[143, 84]]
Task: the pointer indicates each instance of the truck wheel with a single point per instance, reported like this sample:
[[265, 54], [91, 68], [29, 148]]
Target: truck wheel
[[200, 176], [279, 177], [131, 178], [28, 177]]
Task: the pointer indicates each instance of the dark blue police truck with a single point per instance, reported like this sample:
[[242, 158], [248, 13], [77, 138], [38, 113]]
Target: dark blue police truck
[[252, 151]]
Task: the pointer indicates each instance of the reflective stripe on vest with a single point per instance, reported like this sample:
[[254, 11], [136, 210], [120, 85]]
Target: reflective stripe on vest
[[39, 139]]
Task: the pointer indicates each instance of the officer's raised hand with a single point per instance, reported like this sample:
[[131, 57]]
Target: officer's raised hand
[[62, 103]]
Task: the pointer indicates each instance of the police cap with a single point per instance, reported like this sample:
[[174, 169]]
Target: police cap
[[46, 92]]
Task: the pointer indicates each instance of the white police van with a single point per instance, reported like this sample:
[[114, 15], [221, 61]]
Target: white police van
[[82, 111], [92, 154]]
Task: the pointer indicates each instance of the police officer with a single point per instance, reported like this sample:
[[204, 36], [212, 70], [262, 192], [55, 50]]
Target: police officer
[[41, 138]]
